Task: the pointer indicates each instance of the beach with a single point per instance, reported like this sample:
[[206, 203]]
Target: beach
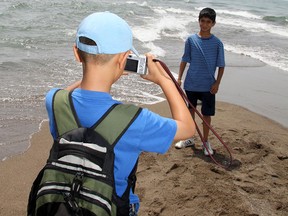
[[251, 111], [184, 182]]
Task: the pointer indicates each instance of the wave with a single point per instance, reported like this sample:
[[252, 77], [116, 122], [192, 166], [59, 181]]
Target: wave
[[19, 5], [171, 22], [177, 19], [31, 99], [269, 57], [281, 20], [176, 23], [243, 14], [165, 27], [253, 25], [144, 3]]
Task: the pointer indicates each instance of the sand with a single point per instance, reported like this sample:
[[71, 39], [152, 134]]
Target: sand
[[184, 182]]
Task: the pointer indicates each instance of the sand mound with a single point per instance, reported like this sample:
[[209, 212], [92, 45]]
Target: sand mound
[[185, 182]]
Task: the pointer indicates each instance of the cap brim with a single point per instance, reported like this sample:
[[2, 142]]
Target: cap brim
[[135, 51]]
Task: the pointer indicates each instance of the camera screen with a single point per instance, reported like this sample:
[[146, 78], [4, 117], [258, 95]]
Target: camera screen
[[131, 65]]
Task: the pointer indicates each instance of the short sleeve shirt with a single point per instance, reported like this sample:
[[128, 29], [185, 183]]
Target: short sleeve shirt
[[203, 56]]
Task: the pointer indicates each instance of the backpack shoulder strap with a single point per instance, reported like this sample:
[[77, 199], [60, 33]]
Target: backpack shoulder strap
[[112, 125], [64, 113], [115, 122]]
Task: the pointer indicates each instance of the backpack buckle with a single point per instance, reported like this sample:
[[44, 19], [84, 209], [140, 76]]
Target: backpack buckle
[[77, 183], [71, 202]]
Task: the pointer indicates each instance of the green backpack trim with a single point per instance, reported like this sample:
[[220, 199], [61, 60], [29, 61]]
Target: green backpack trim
[[66, 119], [63, 112]]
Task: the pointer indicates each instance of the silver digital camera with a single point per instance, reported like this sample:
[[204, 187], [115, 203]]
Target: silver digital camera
[[136, 64]]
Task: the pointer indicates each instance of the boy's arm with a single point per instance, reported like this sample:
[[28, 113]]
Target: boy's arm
[[215, 86], [181, 71], [179, 110], [187, 57]]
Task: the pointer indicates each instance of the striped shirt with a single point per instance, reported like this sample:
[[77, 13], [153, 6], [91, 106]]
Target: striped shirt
[[204, 55]]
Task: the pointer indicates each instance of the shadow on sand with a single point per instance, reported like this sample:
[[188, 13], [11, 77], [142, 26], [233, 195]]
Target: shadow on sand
[[220, 159]]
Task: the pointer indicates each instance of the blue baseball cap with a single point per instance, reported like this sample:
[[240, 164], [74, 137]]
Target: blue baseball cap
[[111, 34]]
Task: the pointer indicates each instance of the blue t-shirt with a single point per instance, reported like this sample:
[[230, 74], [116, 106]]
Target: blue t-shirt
[[203, 56], [150, 132]]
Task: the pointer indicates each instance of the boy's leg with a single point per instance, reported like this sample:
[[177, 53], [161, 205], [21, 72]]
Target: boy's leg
[[192, 112], [206, 128], [208, 110], [193, 99]]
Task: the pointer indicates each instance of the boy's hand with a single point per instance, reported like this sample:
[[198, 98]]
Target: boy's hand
[[156, 72], [214, 88]]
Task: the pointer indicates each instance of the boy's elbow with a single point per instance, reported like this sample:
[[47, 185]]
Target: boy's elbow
[[185, 131]]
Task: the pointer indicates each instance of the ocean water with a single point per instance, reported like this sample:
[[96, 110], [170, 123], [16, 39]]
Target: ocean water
[[36, 39]]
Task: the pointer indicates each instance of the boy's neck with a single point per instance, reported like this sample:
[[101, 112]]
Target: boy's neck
[[94, 86], [204, 34], [96, 79]]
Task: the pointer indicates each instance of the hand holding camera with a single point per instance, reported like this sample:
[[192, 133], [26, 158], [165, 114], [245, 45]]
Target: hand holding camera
[[136, 64], [142, 64], [156, 71]]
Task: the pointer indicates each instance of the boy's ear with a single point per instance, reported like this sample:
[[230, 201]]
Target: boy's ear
[[122, 59], [76, 54]]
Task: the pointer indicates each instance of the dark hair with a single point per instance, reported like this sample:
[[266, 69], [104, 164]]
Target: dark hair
[[208, 13]]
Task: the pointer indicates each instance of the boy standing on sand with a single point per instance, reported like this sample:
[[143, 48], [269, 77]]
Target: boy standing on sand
[[204, 52], [103, 43]]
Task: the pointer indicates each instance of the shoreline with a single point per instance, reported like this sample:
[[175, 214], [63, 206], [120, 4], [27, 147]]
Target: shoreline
[[247, 82], [251, 84], [256, 86], [150, 106]]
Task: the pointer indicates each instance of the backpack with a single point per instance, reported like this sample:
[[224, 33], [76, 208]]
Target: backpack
[[78, 178]]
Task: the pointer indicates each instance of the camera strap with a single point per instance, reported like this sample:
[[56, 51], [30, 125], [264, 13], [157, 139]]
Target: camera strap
[[226, 165]]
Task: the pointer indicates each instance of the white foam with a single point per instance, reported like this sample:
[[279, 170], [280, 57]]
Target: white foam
[[243, 14], [39, 128], [160, 11], [168, 25], [145, 33], [156, 50], [137, 3], [144, 98], [261, 54], [251, 23]]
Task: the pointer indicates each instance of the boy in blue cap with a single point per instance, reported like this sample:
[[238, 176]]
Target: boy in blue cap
[[204, 52], [103, 43]]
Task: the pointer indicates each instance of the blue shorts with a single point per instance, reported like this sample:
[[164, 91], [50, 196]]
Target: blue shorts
[[208, 101]]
